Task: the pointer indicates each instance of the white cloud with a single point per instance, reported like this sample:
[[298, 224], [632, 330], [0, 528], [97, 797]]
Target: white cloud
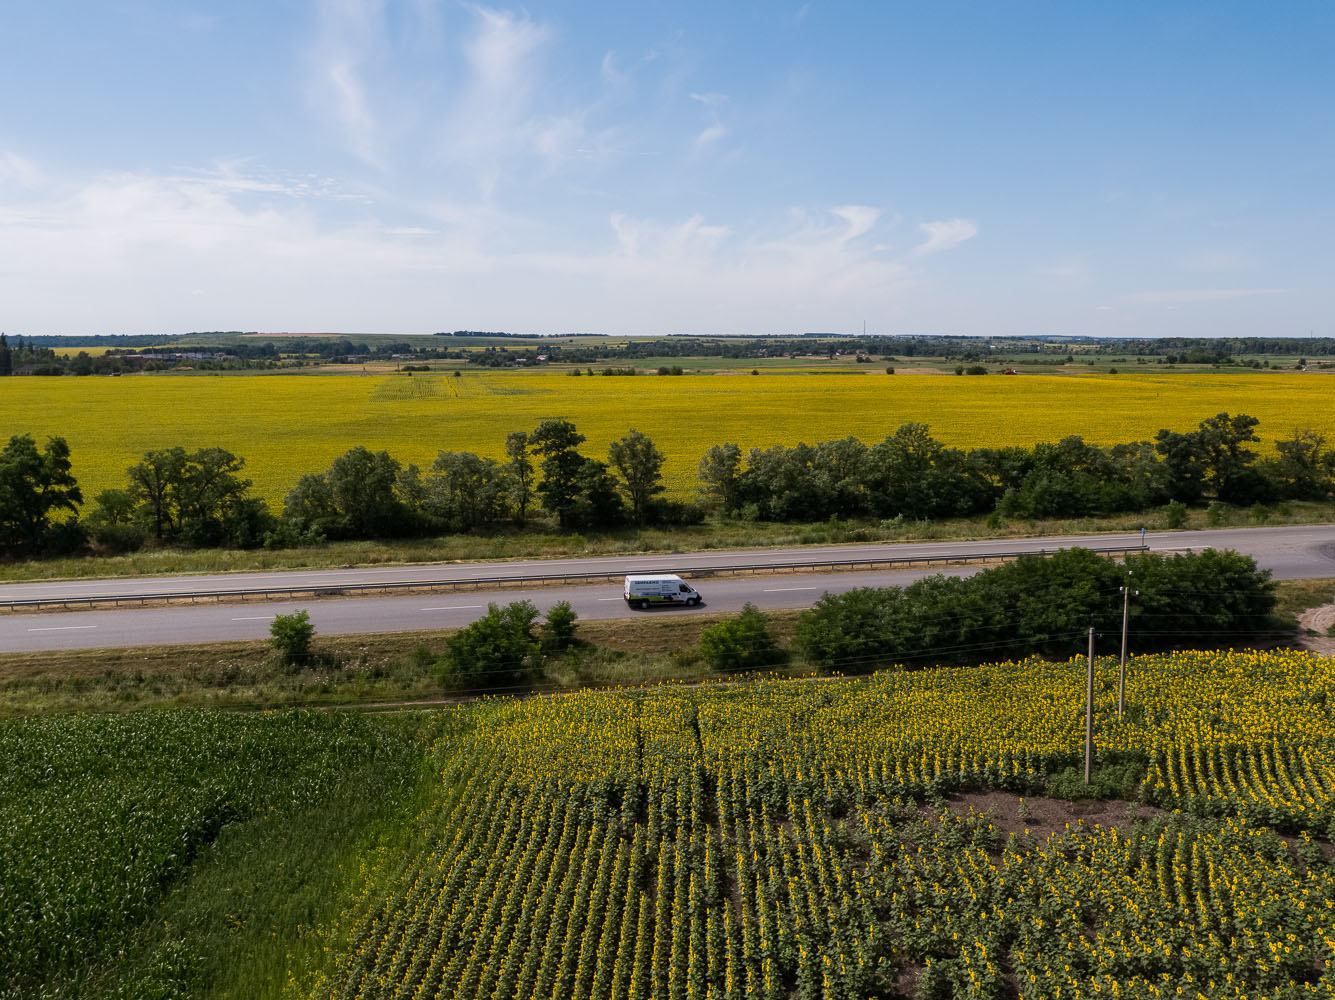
[[860, 219], [349, 33], [709, 135], [709, 99], [225, 249], [944, 235], [18, 171]]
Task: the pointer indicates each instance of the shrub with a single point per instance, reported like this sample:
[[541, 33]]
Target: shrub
[[291, 635], [495, 651], [559, 627], [1039, 606], [1175, 515], [1217, 512], [741, 643]]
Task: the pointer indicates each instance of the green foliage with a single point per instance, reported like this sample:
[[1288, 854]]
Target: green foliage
[[639, 463], [291, 636], [557, 442], [1175, 515], [465, 491], [559, 627], [102, 815], [194, 498], [743, 642], [1040, 605], [34, 484], [495, 651], [1113, 780]]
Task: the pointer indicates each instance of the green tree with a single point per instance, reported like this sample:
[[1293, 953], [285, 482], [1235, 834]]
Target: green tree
[[720, 477], [6, 356], [211, 495], [496, 650], [291, 635], [640, 465], [34, 484], [597, 499], [743, 642], [563, 467], [1305, 466], [559, 627], [464, 491], [520, 467], [311, 505], [363, 485], [153, 483]]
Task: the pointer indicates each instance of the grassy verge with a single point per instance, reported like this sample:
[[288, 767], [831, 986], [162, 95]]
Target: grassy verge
[[542, 544], [392, 668], [349, 670]]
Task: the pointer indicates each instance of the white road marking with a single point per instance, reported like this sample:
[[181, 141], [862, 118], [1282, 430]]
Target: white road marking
[[611, 598], [785, 590], [255, 618], [455, 607], [61, 628]]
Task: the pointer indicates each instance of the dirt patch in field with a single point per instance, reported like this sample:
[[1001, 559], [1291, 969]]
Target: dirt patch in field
[[1038, 815], [1317, 620]]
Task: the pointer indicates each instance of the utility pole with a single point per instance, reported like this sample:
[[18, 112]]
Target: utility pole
[[1121, 670], [1089, 710]]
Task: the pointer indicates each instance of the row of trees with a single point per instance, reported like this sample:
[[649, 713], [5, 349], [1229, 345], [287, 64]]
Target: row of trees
[[370, 494], [911, 474], [201, 498]]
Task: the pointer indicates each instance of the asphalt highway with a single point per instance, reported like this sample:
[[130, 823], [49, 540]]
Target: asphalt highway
[[1301, 552]]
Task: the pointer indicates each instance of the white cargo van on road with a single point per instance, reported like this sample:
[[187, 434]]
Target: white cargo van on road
[[642, 591]]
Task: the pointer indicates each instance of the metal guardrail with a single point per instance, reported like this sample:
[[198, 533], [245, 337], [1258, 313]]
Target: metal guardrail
[[482, 583]]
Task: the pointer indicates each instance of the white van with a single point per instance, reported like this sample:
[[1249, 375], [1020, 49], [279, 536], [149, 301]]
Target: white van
[[642, 591]]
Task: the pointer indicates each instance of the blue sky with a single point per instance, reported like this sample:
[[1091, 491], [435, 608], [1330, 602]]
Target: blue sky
[[418, 165]]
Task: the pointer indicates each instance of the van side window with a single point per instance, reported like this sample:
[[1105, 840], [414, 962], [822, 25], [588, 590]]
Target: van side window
[[685, 589]]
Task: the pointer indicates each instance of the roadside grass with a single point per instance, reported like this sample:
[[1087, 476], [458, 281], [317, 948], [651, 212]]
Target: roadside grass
[[541, 543], [1297, 596], [347, 670], [391, 669]]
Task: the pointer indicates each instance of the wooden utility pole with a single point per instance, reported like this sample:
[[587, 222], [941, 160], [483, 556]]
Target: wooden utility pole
[[1089, 711], [1121, 670]]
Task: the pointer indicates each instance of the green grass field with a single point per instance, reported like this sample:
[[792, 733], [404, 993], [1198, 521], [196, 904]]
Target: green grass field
[[286, 425]]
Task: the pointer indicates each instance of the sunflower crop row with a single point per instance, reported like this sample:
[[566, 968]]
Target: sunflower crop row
[[783, 838]]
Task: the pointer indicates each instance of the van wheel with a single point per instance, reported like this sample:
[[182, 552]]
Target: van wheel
[[640, 605], [692, 602]]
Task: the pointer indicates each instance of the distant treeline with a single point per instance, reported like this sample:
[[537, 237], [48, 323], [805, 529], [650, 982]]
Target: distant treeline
[[200, 498], [157, 352]]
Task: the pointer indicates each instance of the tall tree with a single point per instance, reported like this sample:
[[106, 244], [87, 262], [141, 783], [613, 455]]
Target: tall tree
[[640, 465], [720, 477], [363, 484], [154, 484], [33, 484], [557, 442], [520, 468], [6, 356], [464, 490]]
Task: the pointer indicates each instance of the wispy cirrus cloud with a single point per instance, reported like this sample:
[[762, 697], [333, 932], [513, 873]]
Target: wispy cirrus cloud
[[945, 234], [348, 34]]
